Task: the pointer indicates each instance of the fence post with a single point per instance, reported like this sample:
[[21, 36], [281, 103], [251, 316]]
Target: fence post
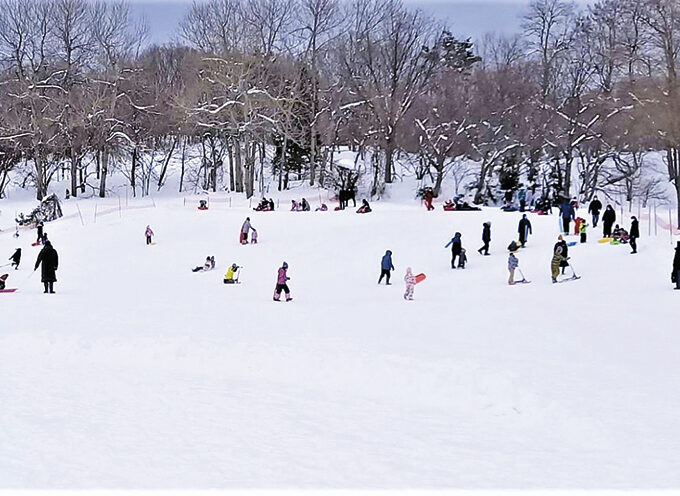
[[670, 224], [95, 212], [649, 208], [656, 229]]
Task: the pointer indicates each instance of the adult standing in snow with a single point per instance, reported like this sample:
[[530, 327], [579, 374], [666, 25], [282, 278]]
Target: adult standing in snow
[[456, 247], [634, 234], [675, 275], [16, 259], [245, 230], [564, 250], [608, 219], [50, 261], [385, 267], [486, 238], [282, 283], [594, 209], [148, 233], [567, 214], [524, 230], [428, 195], [410, 281]]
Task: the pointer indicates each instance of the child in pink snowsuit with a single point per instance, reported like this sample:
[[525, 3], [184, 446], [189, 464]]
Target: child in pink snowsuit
[[410, 281], [281, 283], [253, 237], [148, 233]]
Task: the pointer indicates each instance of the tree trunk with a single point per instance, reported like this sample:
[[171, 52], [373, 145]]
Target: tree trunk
[[74, 171], [440, 177], [389, 160], [238, 166], [133, 172], [104, 172], [40, 182], [164, 169], [184, 155], [230, 149]]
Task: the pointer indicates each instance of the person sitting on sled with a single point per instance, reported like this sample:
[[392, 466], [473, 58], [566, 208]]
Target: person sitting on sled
[[208, 265], [229, 276], [364, 208], [3, 278]]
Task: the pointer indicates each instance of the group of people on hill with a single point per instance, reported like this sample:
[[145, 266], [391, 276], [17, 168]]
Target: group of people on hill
[[265, 205]]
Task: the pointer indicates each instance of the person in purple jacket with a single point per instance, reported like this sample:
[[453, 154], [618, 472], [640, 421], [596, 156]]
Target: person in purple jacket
[[281, 283]]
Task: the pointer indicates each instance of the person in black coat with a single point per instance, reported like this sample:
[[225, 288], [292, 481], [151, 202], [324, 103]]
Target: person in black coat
[[608, 219], [634, 234], [594, 209], [50, 261], [456, 248], [524, 230], [561, 243], [16, 259], [40, 225], [676, 267], [486, 238]]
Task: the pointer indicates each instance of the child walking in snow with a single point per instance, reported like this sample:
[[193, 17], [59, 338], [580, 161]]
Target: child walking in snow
[[513, 263], [557, 260], [282, 283], [583, 226], [253, 237], [148, 233], [410, 281]]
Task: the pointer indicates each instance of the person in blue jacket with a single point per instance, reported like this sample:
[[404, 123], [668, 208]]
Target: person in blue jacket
[[385, 267], [567, 213], [456, 247]]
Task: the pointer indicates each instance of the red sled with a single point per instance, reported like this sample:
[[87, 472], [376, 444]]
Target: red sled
[[420, 278], [8, 290], [35, 244]]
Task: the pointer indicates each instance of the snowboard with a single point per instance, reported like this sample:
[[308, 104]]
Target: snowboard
[[8, 290], [420, 278], [605, 240]]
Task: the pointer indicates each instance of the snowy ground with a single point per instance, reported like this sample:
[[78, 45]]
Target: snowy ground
[[141, 374]]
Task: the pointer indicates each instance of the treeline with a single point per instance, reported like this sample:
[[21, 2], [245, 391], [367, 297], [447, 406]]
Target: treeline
[[584, 93]]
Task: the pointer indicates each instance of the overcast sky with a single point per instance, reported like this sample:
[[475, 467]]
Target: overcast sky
[[467, 18]]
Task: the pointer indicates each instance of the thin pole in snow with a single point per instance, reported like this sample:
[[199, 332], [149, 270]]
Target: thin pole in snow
[[120, 212], [649, 207], [670, 224], [656, 229], [95, 212], [80, 214]]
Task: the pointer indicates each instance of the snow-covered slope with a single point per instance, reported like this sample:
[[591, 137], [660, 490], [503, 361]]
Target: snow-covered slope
[[139, 373]]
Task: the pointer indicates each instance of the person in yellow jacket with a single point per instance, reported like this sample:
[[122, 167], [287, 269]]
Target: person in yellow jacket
[[582, 229], [231, 272], [555, 264]]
